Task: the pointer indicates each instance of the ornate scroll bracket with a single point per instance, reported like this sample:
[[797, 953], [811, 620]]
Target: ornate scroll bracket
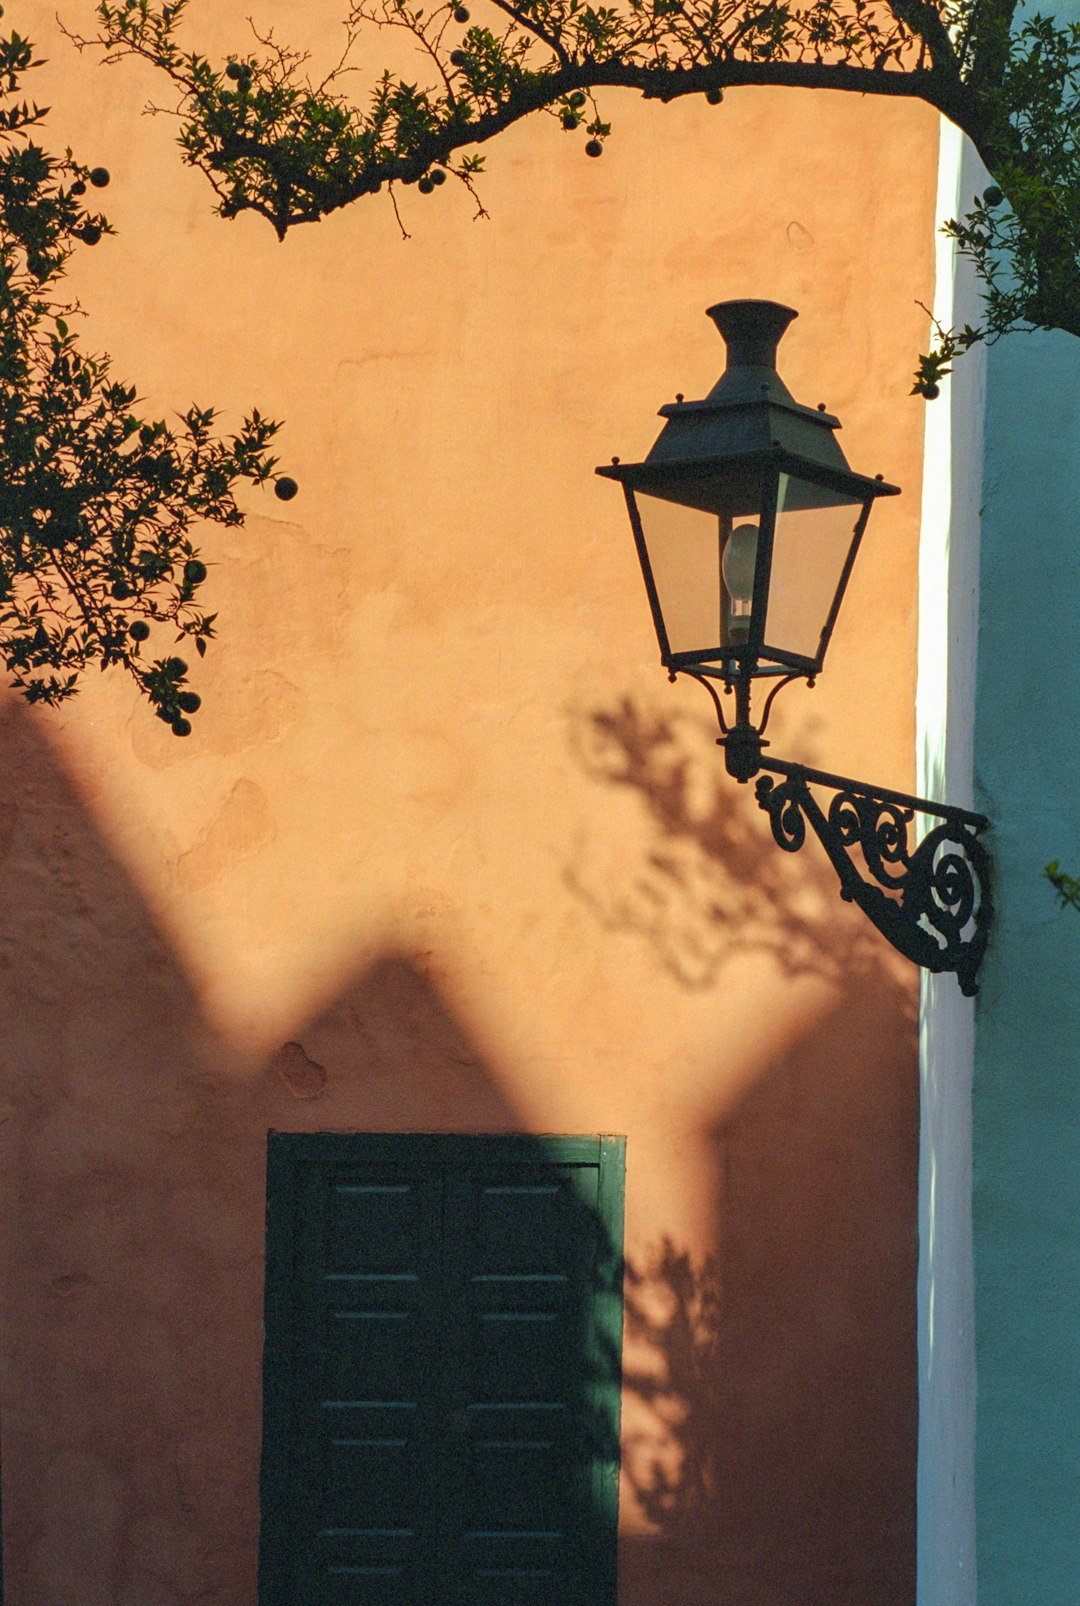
[[932, 902]]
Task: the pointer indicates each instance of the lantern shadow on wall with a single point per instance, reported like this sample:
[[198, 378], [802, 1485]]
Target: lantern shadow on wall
[[747, 522]]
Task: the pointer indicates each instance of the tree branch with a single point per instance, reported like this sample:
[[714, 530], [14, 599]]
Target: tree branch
[[271, 142]]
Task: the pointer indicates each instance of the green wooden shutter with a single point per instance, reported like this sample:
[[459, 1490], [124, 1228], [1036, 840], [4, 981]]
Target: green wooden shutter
[[443, 1329]]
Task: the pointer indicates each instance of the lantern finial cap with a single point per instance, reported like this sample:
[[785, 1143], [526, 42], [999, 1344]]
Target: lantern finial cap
[[752, 330]]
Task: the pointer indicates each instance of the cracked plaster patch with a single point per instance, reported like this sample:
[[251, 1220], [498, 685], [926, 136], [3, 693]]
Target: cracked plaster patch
[[304, 1077]]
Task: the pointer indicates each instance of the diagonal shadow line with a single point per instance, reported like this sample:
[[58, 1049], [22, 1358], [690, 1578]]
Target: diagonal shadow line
[[132, 1190]]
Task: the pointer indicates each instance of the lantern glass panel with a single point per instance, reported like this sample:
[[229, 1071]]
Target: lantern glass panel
[[703, 560], [815, 530]]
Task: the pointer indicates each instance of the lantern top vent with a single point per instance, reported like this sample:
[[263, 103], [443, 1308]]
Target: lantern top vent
[[752, 331], [749, 409], [748, 419]]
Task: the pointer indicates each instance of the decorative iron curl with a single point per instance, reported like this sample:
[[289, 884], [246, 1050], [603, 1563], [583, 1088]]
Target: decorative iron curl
[[878, 828], [932, 903], [783, 805], [948, 888]]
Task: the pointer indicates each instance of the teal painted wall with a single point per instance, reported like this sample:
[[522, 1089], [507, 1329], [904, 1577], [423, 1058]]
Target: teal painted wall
[[1026, 1096]]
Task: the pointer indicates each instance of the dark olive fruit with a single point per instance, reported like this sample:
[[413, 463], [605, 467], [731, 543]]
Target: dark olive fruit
[[175, 667], [99, 177], [194, 572], [121, 590], [78, 188], [932, 392], [594, 148], [714, 96], [234, 71], [181, 727], [190, 701], [461, 13], [90, 234], [569, 120], [458, 58], [285, 488], [139, 630], [164, 713], [425, 186], [992, 196], [578, 99], [438, 176]]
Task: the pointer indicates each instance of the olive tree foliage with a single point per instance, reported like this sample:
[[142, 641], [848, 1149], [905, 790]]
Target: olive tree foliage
[[99, 505], [274, 140]]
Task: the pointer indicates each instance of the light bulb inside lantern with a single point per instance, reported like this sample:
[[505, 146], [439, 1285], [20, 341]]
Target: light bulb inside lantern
[[738, 565]]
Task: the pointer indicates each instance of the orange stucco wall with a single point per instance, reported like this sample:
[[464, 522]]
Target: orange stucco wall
[[446, 851]]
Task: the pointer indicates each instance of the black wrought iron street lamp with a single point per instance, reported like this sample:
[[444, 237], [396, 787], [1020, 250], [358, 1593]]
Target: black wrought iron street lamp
[[747, 521]]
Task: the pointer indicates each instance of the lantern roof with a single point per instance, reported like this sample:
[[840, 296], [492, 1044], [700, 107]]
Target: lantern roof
[[749, 412]]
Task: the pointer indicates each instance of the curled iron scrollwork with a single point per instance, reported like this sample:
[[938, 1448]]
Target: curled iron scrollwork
[[879, 830], [783, 805], [932, 902], [948, 892]]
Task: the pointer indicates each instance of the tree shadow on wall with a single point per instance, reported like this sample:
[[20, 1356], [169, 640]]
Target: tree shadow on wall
[[709, 881], [771, 1389]]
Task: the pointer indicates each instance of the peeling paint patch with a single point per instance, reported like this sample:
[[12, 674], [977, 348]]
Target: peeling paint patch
[[249, 709], [240, 826], [304, 1077]]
